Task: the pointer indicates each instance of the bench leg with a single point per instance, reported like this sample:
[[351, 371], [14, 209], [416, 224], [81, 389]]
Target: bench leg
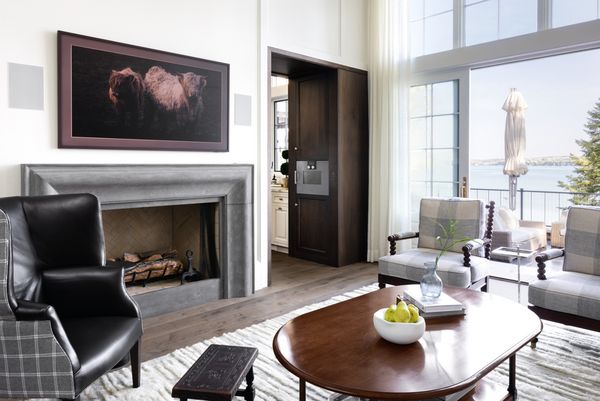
[[248, 392]]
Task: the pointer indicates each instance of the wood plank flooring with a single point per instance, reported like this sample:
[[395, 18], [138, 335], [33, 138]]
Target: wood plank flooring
[[295, 283]]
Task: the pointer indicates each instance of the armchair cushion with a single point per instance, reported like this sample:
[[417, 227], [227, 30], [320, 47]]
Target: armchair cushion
[[568, 292], [582, 242], [435, 213], [100, 343], [409, 265]]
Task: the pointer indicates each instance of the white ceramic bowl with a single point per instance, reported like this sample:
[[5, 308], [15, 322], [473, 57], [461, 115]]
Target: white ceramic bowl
[[398, 333]]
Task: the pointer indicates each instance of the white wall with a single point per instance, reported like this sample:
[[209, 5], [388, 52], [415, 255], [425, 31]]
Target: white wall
[[225, 31], [332, 30], [236, 32]]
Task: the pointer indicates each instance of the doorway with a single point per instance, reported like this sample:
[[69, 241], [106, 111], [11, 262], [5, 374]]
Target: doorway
[[326, 160]]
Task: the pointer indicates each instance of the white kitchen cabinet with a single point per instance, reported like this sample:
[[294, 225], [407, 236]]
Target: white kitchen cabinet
[[279, 218]]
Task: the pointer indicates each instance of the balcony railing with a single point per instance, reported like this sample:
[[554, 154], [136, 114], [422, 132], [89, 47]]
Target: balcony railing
[[543, 206]]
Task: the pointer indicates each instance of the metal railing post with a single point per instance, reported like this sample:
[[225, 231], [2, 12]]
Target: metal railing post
[[521, 192]]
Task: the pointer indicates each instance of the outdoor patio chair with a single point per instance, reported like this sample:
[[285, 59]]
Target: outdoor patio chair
[[572, 296], [509, 231], [465, 266], [65, 319]]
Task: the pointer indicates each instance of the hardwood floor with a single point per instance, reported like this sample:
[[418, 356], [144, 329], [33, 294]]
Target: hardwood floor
[[295, 283]]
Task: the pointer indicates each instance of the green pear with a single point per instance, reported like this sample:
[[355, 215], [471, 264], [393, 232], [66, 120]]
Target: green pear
[[414, 313], [402, 313], [390, 314]]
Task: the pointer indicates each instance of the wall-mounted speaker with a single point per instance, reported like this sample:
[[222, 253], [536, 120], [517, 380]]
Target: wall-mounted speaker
[[25, 86], [243, 110]]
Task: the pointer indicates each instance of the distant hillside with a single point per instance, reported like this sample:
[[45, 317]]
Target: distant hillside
[[533, 161]]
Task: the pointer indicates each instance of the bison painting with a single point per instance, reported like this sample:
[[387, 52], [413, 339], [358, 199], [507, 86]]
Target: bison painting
[[126, 92], [174, 97]]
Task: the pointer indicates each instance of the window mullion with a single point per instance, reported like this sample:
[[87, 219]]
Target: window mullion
[[459, 24], [544, 15]]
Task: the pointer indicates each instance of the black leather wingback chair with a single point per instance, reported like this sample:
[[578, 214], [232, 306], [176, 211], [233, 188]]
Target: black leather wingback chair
[[65, 318]]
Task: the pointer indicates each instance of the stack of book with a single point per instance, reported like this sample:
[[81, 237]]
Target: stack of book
[[445, 305]]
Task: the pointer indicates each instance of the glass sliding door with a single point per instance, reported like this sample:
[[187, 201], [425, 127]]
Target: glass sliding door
[[434, 141]]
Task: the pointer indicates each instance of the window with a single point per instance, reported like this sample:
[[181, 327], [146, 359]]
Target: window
[[488, 20], [281, 131], [436, 26], [566, 12], [431, 26], [433, 140], [559, 90]]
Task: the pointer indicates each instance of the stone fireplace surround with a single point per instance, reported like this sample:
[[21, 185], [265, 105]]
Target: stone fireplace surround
[[131, 186]]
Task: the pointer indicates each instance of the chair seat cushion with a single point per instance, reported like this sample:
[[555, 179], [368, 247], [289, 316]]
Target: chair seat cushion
[[568, 292], [409, 265], [100, 343]]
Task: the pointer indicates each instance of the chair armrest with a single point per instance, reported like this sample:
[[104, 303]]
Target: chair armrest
[[532, 224], [474, 244], [27, 310], [31, 311], [471, 246], [88, 291], [398, 237], [545, 256]]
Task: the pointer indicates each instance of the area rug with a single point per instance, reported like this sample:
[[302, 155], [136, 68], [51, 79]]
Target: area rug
[[564, 367]]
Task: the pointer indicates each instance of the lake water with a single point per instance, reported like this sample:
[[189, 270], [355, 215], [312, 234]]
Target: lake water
[[538, 178]]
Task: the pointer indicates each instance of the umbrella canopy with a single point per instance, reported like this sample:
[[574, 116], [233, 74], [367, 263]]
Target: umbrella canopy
[[514, 142]]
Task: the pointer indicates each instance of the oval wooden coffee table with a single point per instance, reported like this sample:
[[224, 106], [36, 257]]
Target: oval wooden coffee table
[[337, 348]]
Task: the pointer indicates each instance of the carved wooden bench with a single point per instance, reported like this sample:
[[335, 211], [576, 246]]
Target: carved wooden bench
[[218, 374]]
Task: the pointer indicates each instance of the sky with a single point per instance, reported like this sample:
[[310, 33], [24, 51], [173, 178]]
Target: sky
[[559, 91]]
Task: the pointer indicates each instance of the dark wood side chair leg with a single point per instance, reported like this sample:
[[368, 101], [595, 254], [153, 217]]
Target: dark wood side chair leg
[[381, 285], [135, 354]]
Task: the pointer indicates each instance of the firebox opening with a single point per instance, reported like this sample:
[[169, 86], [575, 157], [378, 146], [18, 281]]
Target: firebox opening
[[156, 245]]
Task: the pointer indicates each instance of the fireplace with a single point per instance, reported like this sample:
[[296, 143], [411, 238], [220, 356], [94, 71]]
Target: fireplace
[[163, 246], [170, 190]]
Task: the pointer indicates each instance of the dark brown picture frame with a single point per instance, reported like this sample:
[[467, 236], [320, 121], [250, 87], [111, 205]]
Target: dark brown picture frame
[[113, 96]]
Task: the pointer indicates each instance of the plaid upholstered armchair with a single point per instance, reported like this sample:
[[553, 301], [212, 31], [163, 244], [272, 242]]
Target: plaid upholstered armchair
[[465, 266], [65, 319], [572, 296]]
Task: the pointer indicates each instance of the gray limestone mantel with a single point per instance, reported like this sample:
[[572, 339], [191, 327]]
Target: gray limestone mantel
[[126, 186]]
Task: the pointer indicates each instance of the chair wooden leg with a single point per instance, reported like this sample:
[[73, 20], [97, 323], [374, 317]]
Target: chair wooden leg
[[135, 354]]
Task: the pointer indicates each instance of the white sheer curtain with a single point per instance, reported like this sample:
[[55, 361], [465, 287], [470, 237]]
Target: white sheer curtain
[[389, 69]]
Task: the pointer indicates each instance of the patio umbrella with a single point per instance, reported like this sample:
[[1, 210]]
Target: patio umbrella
[[514, 142]]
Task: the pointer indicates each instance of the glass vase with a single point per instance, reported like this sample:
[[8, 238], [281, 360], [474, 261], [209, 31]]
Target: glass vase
[[431, 283]]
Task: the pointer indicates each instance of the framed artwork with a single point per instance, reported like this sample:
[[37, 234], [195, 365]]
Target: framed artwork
[[117, 96]]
